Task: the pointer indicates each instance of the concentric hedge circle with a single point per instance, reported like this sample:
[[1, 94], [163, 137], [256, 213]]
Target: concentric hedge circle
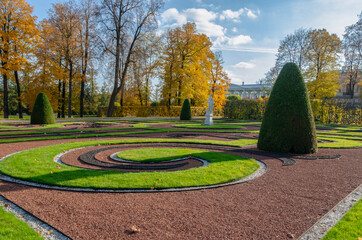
[[37, 165]]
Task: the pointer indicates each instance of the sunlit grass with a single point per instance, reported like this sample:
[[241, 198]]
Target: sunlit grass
[[349, 227], [13, 228]]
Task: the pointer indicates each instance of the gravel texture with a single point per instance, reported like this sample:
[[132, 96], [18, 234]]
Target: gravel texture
[[285, 201]]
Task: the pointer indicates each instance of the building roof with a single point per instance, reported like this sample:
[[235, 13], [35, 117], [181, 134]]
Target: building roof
[[237, 87]]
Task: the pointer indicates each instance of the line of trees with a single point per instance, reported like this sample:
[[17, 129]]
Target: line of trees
[[318, 55], [81, 41]]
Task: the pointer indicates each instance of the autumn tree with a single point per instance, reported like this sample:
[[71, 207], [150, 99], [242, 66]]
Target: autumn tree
[[65, 19], [190, 69], [123, 23], [16, 32], [322, 66], [315, 52], [43, 72], [87, 40], [219, 80], [145, 64], [352, 48]]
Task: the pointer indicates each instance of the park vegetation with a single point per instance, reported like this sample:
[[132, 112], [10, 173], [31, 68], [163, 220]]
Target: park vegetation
[[81, 41], [288, 123], [318, 53]]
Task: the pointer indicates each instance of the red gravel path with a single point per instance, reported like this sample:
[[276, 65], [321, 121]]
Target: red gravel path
[[284, 200]]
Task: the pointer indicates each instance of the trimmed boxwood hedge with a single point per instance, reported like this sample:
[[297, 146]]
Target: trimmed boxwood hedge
[[288, 123], [42, 111], [186, 111]]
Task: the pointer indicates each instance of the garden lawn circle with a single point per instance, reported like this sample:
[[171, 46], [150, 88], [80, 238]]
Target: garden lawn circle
[[215, 126], [37, 166]]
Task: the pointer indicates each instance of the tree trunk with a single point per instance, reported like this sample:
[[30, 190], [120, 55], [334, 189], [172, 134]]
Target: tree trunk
[[81, 110], [59, 98], [70, 90], [6, 95], [63, 100], [18, 90]]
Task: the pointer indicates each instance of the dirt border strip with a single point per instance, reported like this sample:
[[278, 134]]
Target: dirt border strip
[[320, 228], [47, 231]]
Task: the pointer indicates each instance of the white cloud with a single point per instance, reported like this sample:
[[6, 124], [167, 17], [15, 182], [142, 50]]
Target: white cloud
[[238, 40], [203, 18], [245, 65], [234, 30], [231, 15], [235, 15], [251, 14], [173, 16], [204, 21]]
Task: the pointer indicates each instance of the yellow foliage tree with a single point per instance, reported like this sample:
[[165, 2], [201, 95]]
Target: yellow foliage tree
[[325, 86], [190, 69], [17, 32], [219, 81]]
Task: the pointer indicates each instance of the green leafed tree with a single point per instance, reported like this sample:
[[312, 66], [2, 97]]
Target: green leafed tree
[[288, 123]]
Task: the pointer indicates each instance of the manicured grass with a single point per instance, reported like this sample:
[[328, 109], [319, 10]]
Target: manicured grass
[[215, 126], [155, 154], [349, 227], [340, 142], [48, 126], [343, 132], [13, 228], [37, 165]]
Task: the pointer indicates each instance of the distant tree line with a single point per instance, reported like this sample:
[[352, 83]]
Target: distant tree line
[[116, 40], [322, 57]]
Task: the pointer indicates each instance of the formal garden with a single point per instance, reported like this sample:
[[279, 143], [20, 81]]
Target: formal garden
[[123, 178]]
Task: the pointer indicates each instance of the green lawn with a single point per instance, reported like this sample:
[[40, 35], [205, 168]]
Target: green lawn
[[155, 154], [340, 142], [215, 126], [350, 226], [37, 165], [12, 228], [48, 126]]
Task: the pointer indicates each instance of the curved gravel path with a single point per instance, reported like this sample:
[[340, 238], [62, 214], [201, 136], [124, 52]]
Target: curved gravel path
[[285, 200]]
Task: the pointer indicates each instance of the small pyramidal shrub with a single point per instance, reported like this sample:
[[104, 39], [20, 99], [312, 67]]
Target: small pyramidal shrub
[[288, 123], [42, 111], [186, 111]]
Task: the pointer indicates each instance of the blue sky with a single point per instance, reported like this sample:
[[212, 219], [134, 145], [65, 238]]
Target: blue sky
[[248, 32]]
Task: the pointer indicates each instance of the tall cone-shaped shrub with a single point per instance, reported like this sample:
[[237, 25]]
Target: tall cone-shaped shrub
[[186, 111], [42, 111], [288, 123]]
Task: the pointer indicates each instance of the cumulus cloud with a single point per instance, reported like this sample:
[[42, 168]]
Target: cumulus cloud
[[244, 65], [236, 41], [204, 21], [234, 29], [235, 15], [251, 14], [231, 15], [172, 18], [203, 18]]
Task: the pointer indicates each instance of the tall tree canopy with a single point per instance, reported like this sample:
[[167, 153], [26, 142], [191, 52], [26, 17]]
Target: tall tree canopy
[[352, 48], [316, 53], [190, 69], [17, 32]]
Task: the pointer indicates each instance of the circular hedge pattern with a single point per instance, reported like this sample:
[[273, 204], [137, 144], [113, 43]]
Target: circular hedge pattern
[[37, 165]]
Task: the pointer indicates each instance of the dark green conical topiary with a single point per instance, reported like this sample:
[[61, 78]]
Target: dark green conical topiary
[[288, 123], [42, 111], [186, 111]]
